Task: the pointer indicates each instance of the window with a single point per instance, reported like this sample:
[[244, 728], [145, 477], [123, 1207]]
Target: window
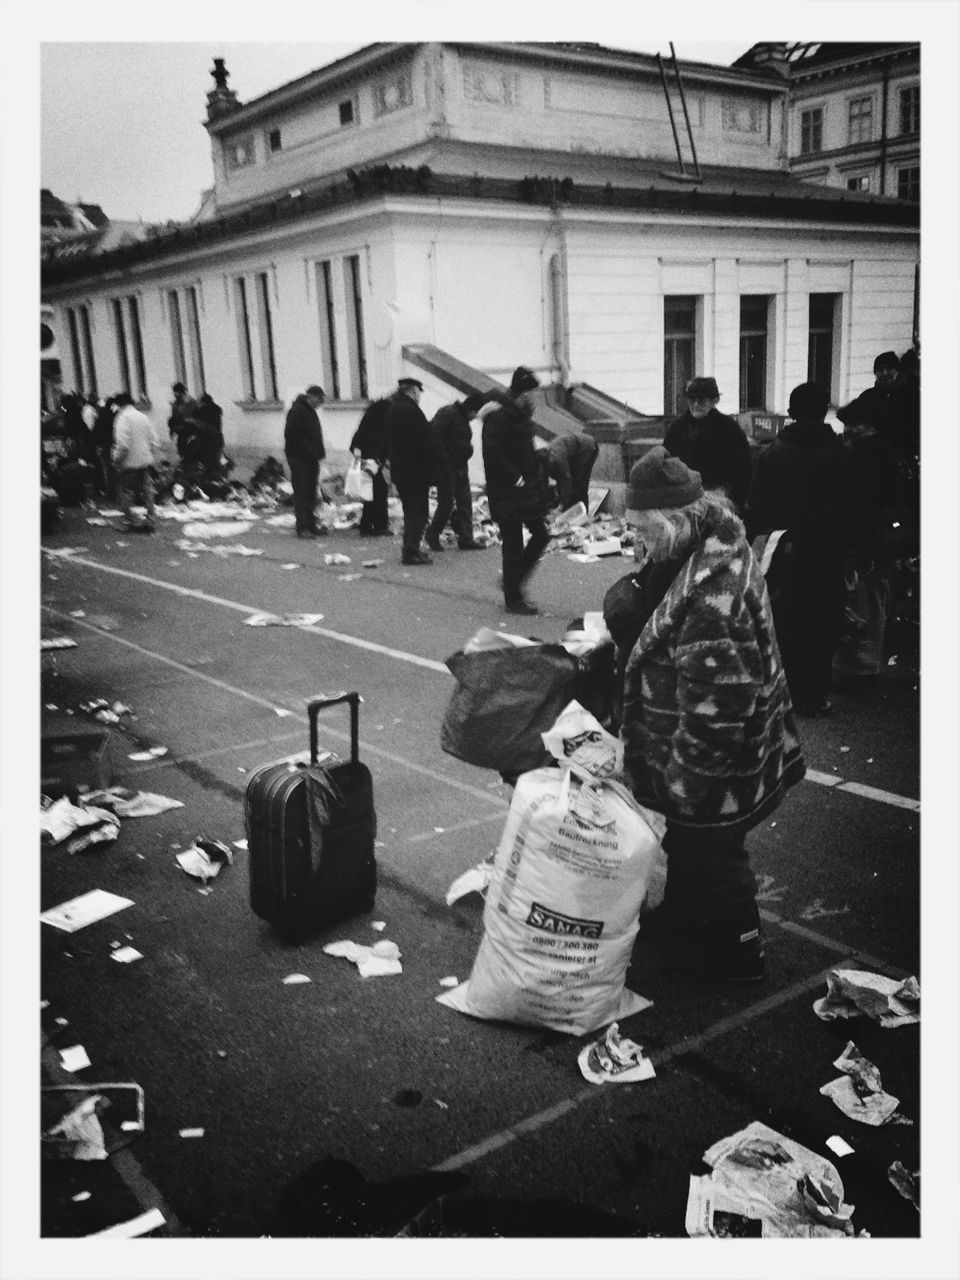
[[820, 354], [328, 330], [185, 338], [354, 299], [239, 152], [126, 327], [753, 351], [679, 350], [90, 380], [346, 111], [258, 365], [859, 183], [908, 183], [273, 138], [811, 130], [860, 120], [910, 109], [81, 350], [75, 350]]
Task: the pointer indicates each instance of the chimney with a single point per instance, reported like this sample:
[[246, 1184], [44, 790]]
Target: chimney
[[220, 100], [772, 56]]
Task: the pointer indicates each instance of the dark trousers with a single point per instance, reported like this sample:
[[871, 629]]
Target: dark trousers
[[374, 518], [807, 608], [414, 498], [519, 561], [577, 488], [709, 878], [304, 476], [453, 500]]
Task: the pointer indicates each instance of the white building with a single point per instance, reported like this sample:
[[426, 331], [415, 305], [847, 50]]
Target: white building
[[454, 210]]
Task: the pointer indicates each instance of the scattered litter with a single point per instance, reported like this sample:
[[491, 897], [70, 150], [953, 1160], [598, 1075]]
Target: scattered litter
[[907, 1183], [583, 557], [601, 547], [61, 1022], [816, 911], [138, 1226], [858, 1092], [889, 1001], [348, 577], [152, 753], [99, 520], [283, 620], [439, 830], [442, 1105], [379, 925], [204, 859], [44, 1004], [58, 642], [613, 1060], [756, 1175], [192, 1133], [282, 711], [379, 961], [82, 1195], [131, 804], [284, 520], [240, 844], [892, 661], [450, 982], [78, 1135], [290, 566], [126, 955], [336, 557], [74, 1058], [216, 529], [475, 880], [62, 819], [78, 613], [371, 564], [293, 979], [128, 1126], [838, 1146], [77, 913]]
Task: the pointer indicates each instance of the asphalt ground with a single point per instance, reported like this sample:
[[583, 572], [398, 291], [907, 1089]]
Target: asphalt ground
[[374, 1071]]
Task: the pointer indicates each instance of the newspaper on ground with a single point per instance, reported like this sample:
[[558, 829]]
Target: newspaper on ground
[[891, 1002], [858, 1092], [63, 820], [615, 1060], [88, 908], [205, 859]]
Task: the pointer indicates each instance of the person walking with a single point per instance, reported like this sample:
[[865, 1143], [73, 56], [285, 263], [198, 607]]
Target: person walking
[[803, 489], [707, 723], [451, 431], [515, 491], [711, 443], [304, 448], [369, 444], [414, 465], [570, 460], [135, 443], [103, 448]]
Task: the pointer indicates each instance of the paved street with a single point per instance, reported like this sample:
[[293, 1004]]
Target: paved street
[[278, 1076]]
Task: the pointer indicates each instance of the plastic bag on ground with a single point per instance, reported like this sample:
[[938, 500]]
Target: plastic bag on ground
[[561, 911], [850, 992]]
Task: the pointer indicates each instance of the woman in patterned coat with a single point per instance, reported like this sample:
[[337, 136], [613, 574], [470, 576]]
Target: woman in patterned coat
[[708, 728]]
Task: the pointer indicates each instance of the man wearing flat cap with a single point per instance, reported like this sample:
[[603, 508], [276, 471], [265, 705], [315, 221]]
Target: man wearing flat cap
[[710, 442], [303, 444], [414, 465]]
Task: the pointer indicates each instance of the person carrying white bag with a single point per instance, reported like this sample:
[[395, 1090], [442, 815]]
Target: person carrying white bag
[[568, 881]]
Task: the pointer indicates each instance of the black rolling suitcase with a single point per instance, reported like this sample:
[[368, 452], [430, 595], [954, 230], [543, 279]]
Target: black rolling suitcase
[[301, 884]]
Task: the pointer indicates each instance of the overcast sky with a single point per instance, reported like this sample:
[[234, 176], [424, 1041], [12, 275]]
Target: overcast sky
[[121, 123]]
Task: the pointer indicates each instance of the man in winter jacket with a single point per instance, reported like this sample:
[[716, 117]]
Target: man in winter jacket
[[451, 431], [303, 445], [414, 465], [707, 726], [570, 462], [710, 442], [134, 447], [515, 491], [369, 444], [184, 420]]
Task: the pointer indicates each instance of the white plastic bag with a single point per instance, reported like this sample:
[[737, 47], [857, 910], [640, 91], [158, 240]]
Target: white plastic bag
[[358, 484], [561, 911]]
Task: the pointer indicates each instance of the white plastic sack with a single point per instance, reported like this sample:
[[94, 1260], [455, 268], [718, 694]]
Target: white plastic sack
[[561, 911], [358, 483]]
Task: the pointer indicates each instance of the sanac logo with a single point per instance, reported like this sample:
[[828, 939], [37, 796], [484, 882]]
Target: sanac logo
[[550, 921]]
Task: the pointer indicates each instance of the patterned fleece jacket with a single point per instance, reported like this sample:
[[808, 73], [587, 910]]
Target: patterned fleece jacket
[[708, 728]]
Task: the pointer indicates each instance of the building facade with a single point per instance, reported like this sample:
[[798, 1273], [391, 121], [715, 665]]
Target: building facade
[[564, 207]]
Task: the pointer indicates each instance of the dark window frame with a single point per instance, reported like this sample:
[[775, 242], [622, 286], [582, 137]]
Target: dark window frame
[[811, 131]]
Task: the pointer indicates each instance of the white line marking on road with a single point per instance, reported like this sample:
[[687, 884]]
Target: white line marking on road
[[401, 655]]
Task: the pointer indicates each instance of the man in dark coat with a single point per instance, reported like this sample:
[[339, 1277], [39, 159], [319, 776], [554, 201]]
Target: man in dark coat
[[103, 446], [805, 486], [210, 414], [570, 462], [515, 490], [303, 444], [369, 443], [184, 422], [710, 442], [451, 430], [891, 406], [414, 464]]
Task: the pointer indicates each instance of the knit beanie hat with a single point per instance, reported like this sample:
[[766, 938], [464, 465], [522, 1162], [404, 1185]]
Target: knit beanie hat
[[523, 380], [660, 481]]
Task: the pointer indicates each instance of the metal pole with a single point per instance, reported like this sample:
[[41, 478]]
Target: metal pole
[[686, 116], [666, 94]]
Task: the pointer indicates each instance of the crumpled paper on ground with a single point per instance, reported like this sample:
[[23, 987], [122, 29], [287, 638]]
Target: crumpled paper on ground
[[760, 1174], [217, 528], [130, 804], [614, 1060], [79, 1135], [62, 819], [858, 1092], [379, 961], [851, 992], [205, 859], [476, 880]]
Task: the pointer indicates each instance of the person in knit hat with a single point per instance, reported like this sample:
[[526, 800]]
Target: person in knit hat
[[707, 724]]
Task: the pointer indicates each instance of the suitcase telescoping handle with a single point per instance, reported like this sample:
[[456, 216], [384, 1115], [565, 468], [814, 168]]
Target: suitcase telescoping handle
[[316, 705]]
